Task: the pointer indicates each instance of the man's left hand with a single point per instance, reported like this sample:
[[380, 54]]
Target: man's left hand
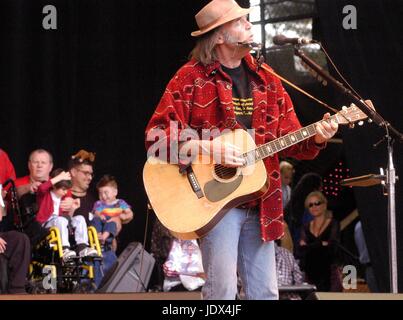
[[325, 129]]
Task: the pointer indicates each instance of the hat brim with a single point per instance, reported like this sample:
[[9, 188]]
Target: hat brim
[[231, 15]]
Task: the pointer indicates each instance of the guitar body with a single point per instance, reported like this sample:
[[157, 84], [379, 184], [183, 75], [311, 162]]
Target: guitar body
[[189, 214]]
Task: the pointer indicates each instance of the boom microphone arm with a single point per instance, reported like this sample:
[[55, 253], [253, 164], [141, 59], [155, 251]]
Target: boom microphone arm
[[372, 114]]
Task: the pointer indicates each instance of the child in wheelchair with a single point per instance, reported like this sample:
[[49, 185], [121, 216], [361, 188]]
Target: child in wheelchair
[[49, 196]]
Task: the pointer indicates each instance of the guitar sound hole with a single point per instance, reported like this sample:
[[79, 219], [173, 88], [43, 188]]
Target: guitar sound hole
[[224, 173]]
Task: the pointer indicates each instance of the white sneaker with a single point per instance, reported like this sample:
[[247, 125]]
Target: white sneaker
[[88, 252], [68, 254]]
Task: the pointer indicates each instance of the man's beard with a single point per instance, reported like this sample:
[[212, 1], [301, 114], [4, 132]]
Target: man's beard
[[229, 39]]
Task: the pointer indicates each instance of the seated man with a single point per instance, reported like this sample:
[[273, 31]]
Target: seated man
[[40, 164], [81, 167]]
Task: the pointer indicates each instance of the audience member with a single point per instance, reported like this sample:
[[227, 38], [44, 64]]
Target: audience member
[[318, 245], [287, 172], [108, 209], [82, 173], [49, 195], [15, 250], [6, 172], [288, 272], [108, 212], [295, 213]]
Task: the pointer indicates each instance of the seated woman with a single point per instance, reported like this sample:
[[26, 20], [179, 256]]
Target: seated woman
[[318, 244]]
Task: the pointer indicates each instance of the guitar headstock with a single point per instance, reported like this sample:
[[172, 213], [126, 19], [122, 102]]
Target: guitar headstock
[[352, 114]]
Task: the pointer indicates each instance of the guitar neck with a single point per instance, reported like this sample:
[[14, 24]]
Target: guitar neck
[[284, 142]]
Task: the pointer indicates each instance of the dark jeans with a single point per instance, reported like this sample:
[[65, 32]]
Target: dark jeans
[[18, 254], [104, 226]]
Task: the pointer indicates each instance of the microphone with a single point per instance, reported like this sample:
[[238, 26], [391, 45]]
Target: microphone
[[281, 40]]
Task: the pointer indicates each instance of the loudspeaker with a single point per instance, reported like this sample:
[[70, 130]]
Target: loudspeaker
[[131, 272]]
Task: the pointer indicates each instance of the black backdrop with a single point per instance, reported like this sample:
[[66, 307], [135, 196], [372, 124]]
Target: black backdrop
[[370, 57], [94, 82]]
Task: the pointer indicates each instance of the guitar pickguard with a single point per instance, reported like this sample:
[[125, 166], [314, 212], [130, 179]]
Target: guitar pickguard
[[216, 191]]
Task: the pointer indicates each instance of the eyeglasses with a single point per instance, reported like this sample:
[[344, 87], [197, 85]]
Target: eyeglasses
[[87, 173], [317, 203]]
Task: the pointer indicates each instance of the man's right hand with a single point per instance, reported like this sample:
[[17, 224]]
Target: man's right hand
[[33, 187], [227, 154], [3, 245]]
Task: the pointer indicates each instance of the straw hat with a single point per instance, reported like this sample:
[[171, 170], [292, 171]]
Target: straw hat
[[216, 13]]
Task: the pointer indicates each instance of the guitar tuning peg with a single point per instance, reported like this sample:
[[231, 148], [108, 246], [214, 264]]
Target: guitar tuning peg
[[344, 108], [369, 120], [351, 125], [360, 123]]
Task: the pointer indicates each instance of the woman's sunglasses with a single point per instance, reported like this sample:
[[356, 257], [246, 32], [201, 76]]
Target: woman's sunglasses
[[317, 203]]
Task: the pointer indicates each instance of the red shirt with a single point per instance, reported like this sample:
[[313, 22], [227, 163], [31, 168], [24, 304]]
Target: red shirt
[[201, 97], [6, 168], [23, 181], [45, 202]]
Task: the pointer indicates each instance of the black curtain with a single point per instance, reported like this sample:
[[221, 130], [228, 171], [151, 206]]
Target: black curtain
[[370, 58], [91, 84]]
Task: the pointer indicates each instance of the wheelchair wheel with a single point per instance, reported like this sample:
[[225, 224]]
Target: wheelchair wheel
[[84, 287], [36, 287]]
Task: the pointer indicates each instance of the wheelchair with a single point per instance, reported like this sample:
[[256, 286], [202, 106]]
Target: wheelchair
[[48, 272]]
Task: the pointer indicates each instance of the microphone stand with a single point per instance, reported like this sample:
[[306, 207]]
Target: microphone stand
[[391, 135]]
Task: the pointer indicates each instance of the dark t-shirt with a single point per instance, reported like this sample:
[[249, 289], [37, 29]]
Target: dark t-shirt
[[241, 94], [86, 205]]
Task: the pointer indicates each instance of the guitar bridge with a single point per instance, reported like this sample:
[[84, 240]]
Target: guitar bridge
[[194, 183]]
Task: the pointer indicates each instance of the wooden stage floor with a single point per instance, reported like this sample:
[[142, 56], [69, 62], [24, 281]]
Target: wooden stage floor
[[107, 296], [186, 296]]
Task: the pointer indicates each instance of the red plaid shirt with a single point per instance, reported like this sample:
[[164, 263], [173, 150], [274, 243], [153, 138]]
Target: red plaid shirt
[[200, 97]]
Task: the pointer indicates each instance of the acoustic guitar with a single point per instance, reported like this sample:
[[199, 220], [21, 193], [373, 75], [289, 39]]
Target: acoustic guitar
[[190, 204]]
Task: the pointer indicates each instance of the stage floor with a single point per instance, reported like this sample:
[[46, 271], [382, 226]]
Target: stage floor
[[107, 296], [186, 296]]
